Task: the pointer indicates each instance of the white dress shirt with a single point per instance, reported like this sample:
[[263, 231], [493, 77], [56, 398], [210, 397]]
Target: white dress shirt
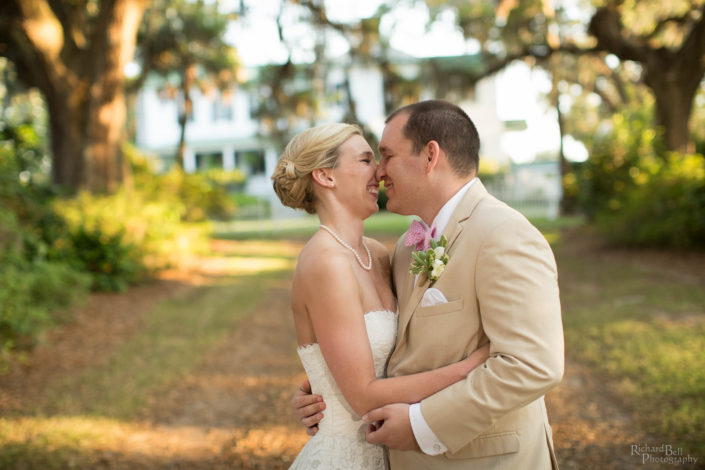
[[426, 438]]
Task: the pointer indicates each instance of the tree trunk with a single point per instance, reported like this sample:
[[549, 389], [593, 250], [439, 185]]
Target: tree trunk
[[555, 97], [105, 168], [672, 74], [67, 118], [186, 84], [183, 117], [674, 103], [77, 62]]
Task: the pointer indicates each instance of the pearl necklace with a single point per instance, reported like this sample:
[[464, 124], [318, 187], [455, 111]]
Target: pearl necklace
[[359, 260]]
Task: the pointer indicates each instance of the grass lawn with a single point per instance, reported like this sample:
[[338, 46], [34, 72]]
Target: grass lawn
[[640, 324], [93, 410], [380, 224]]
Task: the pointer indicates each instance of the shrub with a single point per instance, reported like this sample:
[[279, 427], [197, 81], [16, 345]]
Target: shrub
[[605, 177], [664, 206], [127, 234], [250, 207], [35, 292], [635, 191], [112, 262]]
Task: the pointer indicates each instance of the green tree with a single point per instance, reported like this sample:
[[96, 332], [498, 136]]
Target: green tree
[[183, 42], [75, 52], [665, 39]]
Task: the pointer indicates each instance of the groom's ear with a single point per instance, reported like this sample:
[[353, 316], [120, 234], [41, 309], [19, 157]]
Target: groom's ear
[[324, 177], [432, 152]]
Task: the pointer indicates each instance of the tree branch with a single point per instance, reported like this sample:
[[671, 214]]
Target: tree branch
[[321, 17], [70, 19], [692, 52], [31, 38], [663, 22], [606, 27], [542, 53]]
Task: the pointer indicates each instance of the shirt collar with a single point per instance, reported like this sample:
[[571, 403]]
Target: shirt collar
[[443, 217]]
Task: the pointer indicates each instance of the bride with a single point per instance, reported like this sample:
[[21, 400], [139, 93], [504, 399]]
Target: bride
[[342, 300]]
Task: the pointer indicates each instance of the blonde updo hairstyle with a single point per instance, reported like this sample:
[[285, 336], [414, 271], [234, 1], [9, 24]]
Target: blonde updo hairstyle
[[309, 150]]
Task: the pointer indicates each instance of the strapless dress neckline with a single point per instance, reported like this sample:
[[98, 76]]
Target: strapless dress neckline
[[384, 310]]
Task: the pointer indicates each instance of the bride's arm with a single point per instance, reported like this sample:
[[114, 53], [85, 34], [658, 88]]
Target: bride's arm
[[336, 312]]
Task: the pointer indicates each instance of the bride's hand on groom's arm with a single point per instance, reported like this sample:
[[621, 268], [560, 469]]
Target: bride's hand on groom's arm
[[390, 425], [308, 407]]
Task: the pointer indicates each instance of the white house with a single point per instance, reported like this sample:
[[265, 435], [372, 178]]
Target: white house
[[223, 133]]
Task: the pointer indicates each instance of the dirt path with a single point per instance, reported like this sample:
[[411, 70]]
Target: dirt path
[[232, 412]]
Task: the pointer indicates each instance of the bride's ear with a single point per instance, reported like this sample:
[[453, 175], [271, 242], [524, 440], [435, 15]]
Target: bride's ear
[[324, 177]]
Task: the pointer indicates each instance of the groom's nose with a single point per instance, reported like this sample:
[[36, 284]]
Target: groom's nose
[[379, 172]]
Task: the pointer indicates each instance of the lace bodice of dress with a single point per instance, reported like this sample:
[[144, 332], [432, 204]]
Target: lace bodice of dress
[[339, 419]]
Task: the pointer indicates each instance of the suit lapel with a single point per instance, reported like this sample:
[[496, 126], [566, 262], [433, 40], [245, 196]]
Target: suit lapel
[[452, 231], [416, 293], [475, 194], [403, 279]]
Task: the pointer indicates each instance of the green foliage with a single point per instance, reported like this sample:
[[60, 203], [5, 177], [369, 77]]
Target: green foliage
[[665, 205], [34, 289], [605, 178], [52, 248], [201, 195], [33, 297], [176, 35], [250, 207], [197, 197], [118, 237], [112, 261], [491, 172], [636, 192]]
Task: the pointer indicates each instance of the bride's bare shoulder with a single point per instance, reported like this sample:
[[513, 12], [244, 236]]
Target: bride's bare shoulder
[[322, 258], [377, 248]]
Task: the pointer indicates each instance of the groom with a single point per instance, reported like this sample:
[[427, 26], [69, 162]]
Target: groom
[[499, 284]]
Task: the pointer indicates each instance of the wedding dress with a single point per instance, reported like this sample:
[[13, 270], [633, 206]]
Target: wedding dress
[[340, 441]]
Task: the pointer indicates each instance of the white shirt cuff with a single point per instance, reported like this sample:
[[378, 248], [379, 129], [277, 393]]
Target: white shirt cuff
[[425, 437]]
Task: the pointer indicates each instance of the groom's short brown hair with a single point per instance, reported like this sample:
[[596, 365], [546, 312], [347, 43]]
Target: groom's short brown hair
[[448, 125]]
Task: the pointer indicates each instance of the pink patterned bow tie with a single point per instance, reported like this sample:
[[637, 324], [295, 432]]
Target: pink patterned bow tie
[[420, 235]]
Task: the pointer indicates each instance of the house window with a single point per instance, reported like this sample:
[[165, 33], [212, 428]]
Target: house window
[[251, 161], [252, 104], [206, 161]]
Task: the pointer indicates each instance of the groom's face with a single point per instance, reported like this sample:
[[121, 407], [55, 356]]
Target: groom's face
[[402, 170]]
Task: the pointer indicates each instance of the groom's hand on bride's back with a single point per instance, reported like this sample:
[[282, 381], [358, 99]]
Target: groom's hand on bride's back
[[308, 408]]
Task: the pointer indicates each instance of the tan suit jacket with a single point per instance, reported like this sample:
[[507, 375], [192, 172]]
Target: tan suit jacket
[[501, 285]]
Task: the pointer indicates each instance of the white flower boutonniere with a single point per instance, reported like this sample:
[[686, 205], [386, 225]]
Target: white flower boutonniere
[[432, 261]]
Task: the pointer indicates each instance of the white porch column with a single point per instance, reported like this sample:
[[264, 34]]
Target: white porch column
[[228, 158], [189, 160], [270, 161]]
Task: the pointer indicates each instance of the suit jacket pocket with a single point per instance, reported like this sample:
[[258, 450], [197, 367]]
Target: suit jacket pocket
[[488, 445], [440, 309]]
